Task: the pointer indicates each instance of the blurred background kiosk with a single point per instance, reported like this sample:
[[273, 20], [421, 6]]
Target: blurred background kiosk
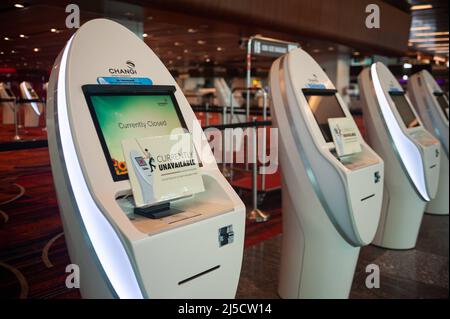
[[431, 104], [331, 204], [411, 156], [8, 101], [34, 108], [196, 253]]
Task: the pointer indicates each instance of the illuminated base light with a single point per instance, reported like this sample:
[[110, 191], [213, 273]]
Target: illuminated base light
[[105, 241], [409, 154]]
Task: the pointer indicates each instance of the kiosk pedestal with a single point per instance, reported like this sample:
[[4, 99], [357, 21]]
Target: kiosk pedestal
[[331, 202], [410, 153], [98, 95], [432, 106]]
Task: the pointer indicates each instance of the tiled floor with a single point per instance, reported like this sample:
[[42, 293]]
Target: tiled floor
[[416, 273]]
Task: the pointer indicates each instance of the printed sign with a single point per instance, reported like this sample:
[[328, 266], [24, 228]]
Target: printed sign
[[265, 47], [162, 168], [345, 136]]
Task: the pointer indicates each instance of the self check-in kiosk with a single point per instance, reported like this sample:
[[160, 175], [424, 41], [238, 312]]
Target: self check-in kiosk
[[33, 109], [195, 253], [7, 104], [331, 204], [431, 104], [411, 156]]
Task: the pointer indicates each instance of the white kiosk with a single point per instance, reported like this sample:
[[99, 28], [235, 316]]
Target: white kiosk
[[32, 110], [431, 104], [410, 153], [331, 204], [8, 106], [195, 253]]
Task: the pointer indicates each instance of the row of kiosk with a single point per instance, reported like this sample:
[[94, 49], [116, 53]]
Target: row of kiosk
[[334, 201], [33, 106]]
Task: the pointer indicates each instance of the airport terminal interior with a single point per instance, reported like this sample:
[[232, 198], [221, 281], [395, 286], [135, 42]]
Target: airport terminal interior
[[293, 149]]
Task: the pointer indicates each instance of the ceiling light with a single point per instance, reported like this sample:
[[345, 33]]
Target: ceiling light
[[36, 49], [316, 50], [185, 50], [423, 28], [356, 53], [407, 66], [219, 49], [6, 38], [22, 36], [53, 30], [13, 51], [144, 35], [176, 44], [429, 40], [208, 60], [421, 7], [425, 45], [430, 34], [330, 48], [192, 30], [201, 42], [405, 78], [19, 5]]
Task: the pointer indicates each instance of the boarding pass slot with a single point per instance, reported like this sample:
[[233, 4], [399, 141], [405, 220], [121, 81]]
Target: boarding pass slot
[[198, 275]]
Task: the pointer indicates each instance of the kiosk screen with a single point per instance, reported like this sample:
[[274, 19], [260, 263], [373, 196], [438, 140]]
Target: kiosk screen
[[325, 107], [120, 115], [404, 109], [443, 103]]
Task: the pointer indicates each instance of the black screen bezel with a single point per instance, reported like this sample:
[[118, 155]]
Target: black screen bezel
[[125, 90], [323, 92], [401, 93]]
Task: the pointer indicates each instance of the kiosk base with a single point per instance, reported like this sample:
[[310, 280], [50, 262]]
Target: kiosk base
[[316, 263], [31, 118], [440, 204], [400, 221]]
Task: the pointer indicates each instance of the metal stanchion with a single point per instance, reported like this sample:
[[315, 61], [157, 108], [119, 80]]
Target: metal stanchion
[[225, 171], [255, 214], [207, 114], [16, 124], [264, 145]]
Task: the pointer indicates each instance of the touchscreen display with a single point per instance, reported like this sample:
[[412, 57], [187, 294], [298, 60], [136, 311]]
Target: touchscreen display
[[443, 103], [405, 110], [118, 117], [325, 107]]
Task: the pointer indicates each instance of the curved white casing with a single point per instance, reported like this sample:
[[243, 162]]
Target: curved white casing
[[8, 107], [421, 90], [140, 257], [411, 157], [32, 110], [330, 208]]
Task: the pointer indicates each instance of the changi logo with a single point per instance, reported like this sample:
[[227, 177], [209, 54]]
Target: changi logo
[[315, 78], [128, 70]]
